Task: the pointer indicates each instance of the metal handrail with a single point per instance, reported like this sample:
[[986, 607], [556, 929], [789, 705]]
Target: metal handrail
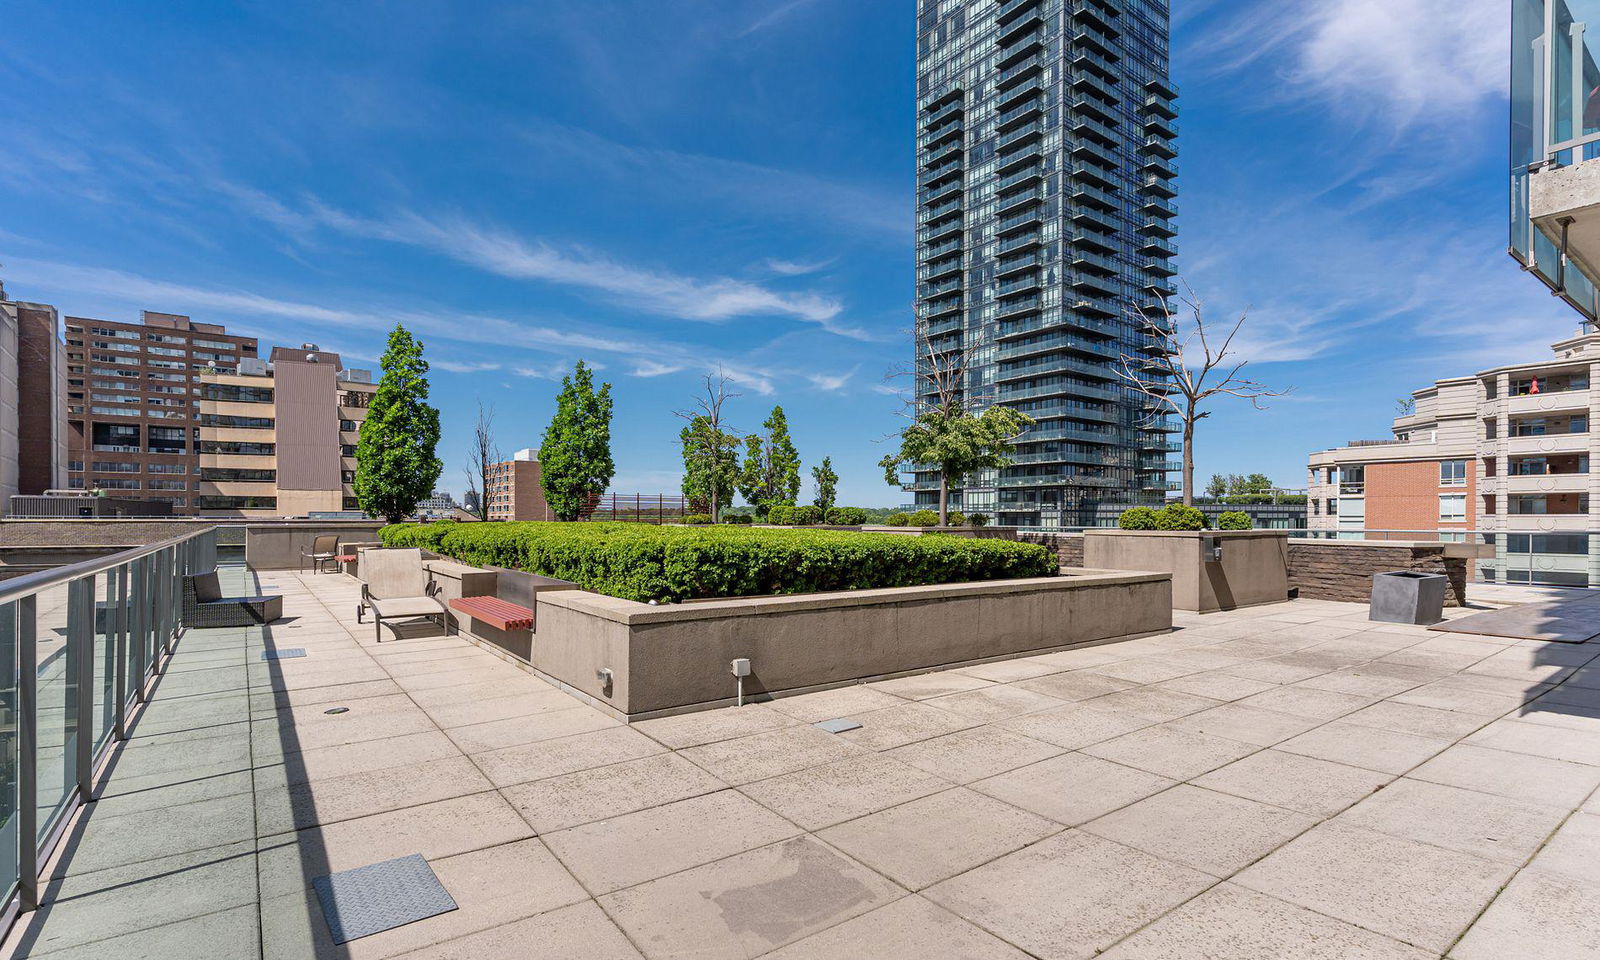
[[42, 580]]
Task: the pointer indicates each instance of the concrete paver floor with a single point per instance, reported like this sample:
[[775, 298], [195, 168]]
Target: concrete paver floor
[[1286, 781]]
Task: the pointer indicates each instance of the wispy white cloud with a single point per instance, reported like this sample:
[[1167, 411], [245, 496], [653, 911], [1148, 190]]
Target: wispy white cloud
[[655, 368], [459, 366], [1426, 62], [831, 382], [775, 15], [797, 268]]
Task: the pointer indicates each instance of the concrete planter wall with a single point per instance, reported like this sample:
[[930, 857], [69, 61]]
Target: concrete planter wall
[[1254, 568], [675, 658], [278, 546]]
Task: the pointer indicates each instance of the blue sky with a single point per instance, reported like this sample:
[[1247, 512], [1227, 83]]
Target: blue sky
[[663, 186]]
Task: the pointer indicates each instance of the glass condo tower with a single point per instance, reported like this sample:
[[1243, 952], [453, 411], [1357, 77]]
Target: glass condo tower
[[1045, 186]]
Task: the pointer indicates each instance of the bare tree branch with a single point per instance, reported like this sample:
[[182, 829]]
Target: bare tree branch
[[1180, 379]]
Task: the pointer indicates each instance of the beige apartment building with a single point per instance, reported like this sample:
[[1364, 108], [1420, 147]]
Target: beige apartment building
[[278, 437], [1503, 454], [514, 490]]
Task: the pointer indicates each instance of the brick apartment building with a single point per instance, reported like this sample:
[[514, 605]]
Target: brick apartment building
[[514, 490], [33, 395], [277, 437], [1502, 456], [133, 401]]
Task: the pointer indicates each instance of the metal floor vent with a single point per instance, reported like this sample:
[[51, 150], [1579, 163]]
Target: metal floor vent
[[838, 725], [283, 653], [381, 896]]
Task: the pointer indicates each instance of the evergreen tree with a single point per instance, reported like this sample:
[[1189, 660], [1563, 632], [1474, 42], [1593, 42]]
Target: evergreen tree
[[827, 484], [771, 471], [575, 465], [396, 463]]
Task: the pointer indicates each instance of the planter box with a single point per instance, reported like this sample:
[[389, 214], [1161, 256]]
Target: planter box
[[675, 658], [1405, 596], [1253, 569]]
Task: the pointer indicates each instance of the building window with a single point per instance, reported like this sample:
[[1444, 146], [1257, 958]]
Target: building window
[[236, 503], [230, 474], [236, 393], [1452, 473], [224, 420], [1453, 508]]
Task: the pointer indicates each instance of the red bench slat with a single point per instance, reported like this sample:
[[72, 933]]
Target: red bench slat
[[493, 610], [346, 558]]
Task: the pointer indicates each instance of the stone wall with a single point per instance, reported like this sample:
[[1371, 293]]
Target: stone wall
[[1068, 546], [1342, 570]]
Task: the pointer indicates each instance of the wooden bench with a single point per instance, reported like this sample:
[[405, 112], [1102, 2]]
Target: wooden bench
[[494, 611]]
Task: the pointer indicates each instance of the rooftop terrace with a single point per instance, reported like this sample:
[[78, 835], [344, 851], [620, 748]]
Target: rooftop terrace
[[1287, 781]]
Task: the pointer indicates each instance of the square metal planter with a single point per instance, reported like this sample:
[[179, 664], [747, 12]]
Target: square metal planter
[[1404, 596]]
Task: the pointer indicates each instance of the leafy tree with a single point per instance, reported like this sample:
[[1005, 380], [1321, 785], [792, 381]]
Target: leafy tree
[[771, 471], [1254, 483], [396, 466], [827, 484], [710, 449], [1217, 486], [575, 465], [957, 443], [710, 464]]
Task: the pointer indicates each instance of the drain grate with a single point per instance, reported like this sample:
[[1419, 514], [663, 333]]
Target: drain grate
[[283, 653], [838, 725], [381, 896]]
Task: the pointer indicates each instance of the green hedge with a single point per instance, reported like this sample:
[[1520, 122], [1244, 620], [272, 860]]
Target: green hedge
[[637, 561], [1176, 516], [697, 518], [1137, 518], [845, 516], [1233, 520]]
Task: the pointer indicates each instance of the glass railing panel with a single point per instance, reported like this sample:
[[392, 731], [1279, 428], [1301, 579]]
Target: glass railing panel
[[10, 819], [108, 611], [55, 707]]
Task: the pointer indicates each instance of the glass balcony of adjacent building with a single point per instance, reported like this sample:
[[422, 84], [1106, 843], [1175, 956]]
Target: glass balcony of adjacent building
[[1094, 109], [1018, 284], [1054, 479], [938, 328], [1015, 307], [1156, 288], [1027, 261], [943, 208], [1084, 434], [944, 189], [1083, 259], [1026, 391], [948, 227], [1160, 167], [940, 269], [1010, 10], [1102, 17], [1163, 86], [950, 131], [1097, 86], [1159, 187], [1032, 128], [1019, 220], [1012, 201], [1094, 307], [1090, 240], [1035, 367], [1022, 111], [1092, 173], [1052, 342], [1091, 129], [1088, 61], [1155, 246], [938, 288], [1555, 147], [934, 309], [1085, 194], [1097, 43], [945, 108], [1030, 18], [1157, 105], [1161, 127], [1161, 147], [1017, 72], [1017, 178], [1159, 267], [930, 251], [1016, 44], [1056, 318], [1011, 96], [949, 168], [1094, 283], [1030, 151], [1157, 207], [1158, 227], [1018, 241], [933, 157]]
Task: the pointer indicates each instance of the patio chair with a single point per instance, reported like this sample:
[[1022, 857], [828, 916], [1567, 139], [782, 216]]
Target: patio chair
[[324, 549], [205, 606], [396, 587]]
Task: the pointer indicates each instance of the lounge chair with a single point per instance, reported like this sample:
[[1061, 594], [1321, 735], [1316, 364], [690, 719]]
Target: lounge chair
[[205, 606], [324, 549], [396, 587]]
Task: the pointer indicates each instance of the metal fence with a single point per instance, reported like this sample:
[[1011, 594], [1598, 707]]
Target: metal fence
[[79, 648], [640, 507]]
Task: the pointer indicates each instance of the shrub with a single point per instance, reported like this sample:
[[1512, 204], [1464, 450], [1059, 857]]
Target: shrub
[[781, 514], [845, 516], [957, 518], [807, 515], [1137, 518], [639, 561], [737, 518], [923, 518], [1233, 520], [898, 519], [1176, 516], [697, 518], [979, 519]]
